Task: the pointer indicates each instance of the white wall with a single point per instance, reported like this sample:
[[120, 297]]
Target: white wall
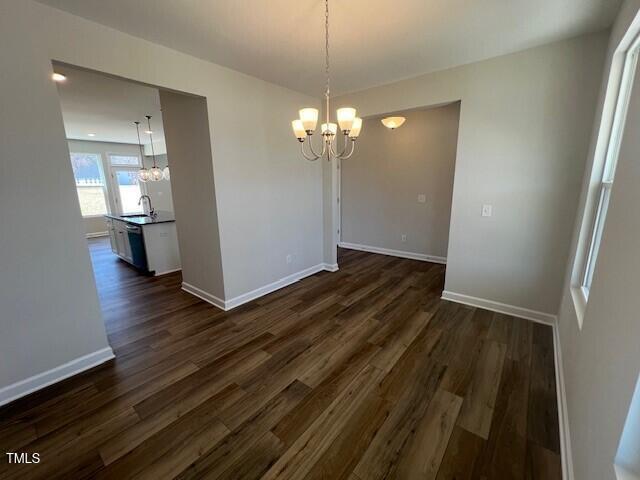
[[381, 182], [269, 200], [49, 310], [186, 131], [601, 360], [525, 121]]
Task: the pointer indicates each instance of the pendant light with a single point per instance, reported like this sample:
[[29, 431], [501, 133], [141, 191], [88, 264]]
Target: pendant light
[[143, 173], [155, 173]]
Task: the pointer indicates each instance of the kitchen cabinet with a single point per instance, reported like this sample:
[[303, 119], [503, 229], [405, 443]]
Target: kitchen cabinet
[[149, 244]]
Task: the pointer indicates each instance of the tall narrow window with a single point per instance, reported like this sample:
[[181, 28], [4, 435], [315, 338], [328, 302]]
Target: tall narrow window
[[129, 190], [608, 172], [90, 183], [124, 171]]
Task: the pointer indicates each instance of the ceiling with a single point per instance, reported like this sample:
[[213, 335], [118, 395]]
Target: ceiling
[[94, 103], [373, 42]]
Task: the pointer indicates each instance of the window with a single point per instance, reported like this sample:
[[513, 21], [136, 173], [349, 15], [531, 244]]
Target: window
[[129, 160], [128, 190], [610, 137], [90, 183]]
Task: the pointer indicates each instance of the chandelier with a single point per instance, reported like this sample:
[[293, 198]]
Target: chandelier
[[350, 125]]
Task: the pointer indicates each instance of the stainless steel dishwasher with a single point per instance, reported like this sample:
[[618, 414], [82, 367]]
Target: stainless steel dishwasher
[[138, 252]]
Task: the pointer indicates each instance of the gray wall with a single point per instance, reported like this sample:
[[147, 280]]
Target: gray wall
[[186, 130], [601, 360], [389, 169], [525, 122], [50, 313]]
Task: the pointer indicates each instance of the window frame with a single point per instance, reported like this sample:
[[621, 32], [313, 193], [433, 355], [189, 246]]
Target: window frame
[[105, 181], [115, 154], [610, 135]]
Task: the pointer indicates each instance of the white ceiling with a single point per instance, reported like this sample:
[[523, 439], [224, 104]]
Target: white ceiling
[[372, 41], [94, 103]]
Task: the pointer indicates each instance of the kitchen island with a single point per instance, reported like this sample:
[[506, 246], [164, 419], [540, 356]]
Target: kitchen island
[[148, 242]]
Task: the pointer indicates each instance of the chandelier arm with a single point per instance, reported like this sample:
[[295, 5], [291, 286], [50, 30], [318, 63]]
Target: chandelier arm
[[313, 152], [353, 147], [346, 146], [314, 156], [304, 154], [332, 151]]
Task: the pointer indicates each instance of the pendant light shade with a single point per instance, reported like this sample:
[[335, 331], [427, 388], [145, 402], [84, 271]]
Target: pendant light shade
[[165, 173], [156, 174]]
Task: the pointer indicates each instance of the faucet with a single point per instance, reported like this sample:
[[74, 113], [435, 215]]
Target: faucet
[[152, 212]]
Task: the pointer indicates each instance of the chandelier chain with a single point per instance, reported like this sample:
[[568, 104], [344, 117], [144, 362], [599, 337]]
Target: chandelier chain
[[326, 42]]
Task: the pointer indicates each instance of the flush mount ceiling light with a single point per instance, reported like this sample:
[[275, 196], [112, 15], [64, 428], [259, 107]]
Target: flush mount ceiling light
[[350, 124], [91, 134], [393, 122], [58, 77]]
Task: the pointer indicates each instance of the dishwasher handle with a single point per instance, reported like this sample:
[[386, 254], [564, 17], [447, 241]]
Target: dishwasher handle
[[133, 229]]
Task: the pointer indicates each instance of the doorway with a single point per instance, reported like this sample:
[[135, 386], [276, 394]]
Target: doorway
[[395, 192]]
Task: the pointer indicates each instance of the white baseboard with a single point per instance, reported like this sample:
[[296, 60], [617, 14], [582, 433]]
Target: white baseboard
[[29, 385], [563, 415], [527, 314], [157, 274], [258, 292], [202, 295], [272, 287], [97, 234], [394, 253]]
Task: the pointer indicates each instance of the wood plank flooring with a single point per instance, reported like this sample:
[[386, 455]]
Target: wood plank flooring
[[361, 374]]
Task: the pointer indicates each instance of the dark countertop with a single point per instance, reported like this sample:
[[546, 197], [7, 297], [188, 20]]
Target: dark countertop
[[161, 217]]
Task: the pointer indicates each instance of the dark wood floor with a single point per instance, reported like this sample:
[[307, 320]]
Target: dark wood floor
[[360, 374]]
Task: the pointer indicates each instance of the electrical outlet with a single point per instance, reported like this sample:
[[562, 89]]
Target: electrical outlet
[[404, 238], [422, 198], [487, 210], [289, 258]]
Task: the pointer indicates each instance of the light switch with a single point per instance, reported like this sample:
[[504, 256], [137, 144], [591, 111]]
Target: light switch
[[487, 210], [422, 198]]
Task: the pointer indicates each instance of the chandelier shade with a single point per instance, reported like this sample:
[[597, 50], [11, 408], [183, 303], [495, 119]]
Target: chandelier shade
[[299, 130], [346, 116], [355, 128], [309, 118]]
